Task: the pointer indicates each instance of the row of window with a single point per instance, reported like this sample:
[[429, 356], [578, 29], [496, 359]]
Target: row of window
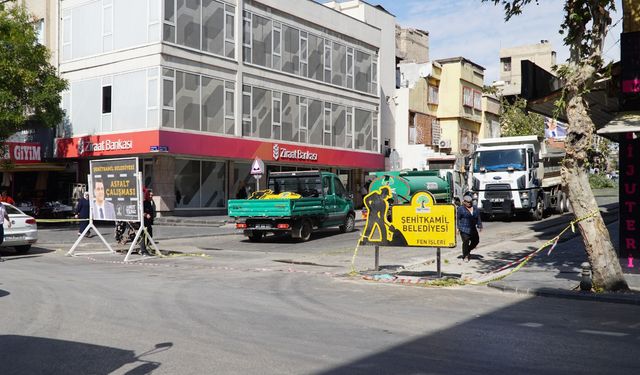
[[203, 103], [205, 25], [278, 46], [197, 102], [283, 116]]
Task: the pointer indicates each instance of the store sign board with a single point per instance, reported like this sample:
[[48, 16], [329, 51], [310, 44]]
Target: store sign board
[[282, 152], [629, 203], [421, 223], [114, 193], [22, 153]]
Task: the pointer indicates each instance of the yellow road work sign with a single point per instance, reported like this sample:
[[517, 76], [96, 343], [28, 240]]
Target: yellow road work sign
[[425, 223]]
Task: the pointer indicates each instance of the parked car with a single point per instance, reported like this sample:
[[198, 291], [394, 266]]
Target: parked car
[[23, 232]]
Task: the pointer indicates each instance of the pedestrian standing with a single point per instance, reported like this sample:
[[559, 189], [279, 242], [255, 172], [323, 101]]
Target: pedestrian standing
[[6, 198], [5, 216], [148, 212], [469, 223], [82, 213]]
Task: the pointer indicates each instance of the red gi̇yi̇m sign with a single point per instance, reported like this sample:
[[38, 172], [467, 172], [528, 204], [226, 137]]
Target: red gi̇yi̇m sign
[[22, 153]]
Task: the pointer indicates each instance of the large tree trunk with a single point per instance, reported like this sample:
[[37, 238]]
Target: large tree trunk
[[607, 273]]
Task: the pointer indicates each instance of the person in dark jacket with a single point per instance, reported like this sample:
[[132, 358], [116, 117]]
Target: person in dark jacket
[[82, 212], [148, 214], [469, 223]]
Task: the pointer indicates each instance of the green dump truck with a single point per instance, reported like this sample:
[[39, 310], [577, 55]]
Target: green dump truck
[[295, 203]]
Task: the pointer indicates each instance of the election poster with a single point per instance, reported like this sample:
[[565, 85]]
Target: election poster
[[114, 191]]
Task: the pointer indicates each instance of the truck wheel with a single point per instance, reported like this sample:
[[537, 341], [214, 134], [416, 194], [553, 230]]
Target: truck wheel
[[305, 231], [349, 224], [567, 205], [538, 211], [559, 209], [256, 236]]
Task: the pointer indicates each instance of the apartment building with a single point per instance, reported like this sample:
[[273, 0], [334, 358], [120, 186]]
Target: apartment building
[[417, 135], [460, 104], [542, 54], [491, 111], [199, 88]]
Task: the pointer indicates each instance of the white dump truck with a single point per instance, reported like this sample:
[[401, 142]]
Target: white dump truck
[[517, 175]]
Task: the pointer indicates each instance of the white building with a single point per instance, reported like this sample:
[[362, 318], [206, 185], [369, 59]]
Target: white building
[[199, 88]]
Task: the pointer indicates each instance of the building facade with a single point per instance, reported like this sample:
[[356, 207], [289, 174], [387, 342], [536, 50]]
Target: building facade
[[460, 104], [541, 54], [199, 89]]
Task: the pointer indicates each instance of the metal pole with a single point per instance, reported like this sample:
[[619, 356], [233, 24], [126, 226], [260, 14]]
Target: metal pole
[[377, 262], [439, 265]]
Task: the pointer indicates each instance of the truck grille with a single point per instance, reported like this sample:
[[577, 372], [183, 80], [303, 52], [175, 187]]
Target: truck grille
[[498, 191]]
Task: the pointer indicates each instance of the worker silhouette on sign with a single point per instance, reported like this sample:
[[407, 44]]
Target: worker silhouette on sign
[[378, 229]]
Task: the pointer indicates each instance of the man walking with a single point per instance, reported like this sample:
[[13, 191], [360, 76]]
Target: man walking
[[469, 224], [82, 213]]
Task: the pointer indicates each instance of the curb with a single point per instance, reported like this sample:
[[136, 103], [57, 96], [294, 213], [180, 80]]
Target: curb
[[566, 294]]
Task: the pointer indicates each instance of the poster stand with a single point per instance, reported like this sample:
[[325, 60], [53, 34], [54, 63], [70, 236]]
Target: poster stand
[[91, 225], [118, 177], [143, 229]]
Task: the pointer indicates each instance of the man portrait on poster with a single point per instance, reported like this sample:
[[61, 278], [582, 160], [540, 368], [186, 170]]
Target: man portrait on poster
[[102, 209]]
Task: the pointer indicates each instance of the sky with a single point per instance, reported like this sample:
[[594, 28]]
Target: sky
[[477, 30]]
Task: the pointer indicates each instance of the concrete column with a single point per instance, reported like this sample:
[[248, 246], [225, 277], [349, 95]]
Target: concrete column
[[164, 187]]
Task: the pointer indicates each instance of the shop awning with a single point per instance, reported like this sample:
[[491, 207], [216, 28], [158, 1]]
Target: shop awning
[[624, 122], [34, 167]]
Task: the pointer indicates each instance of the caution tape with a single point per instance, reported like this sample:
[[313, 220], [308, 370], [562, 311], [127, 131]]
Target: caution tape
[[59, 220], [524, 260]]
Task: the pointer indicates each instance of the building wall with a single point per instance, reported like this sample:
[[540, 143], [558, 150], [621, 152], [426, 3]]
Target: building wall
[[541, 54], [386, 23], [412, 45], [491, 111], [267, 71], [46, 14], [460, 104]]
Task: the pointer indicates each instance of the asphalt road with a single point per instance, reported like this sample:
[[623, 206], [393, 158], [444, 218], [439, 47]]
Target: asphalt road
[[63, 315], [244, 309]]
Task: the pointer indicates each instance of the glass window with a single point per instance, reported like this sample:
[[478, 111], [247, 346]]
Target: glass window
[[169, 10], [315, 121], [212, 105], [327, 61], [339, 64], [212, 27], [188, 23], [374, 76], [261, 41], [261, 112], [106, 99], [187, 101], [247, 123], [327, 124], [340, 190], [363, 71], [290, 121], [350, 68], [349, 128], [277, 46], [467, 97], [246, 37], [212, 191], [316, 55], [327, 186], [338, 125], [290, 55], [362, 129], [229, 107], [187, 182]]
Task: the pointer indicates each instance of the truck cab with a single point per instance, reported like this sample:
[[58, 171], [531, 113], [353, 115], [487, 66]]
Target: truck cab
[[515, 175]]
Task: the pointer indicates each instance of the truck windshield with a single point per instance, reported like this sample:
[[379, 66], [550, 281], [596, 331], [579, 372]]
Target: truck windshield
[[303, 185], [499, 160]]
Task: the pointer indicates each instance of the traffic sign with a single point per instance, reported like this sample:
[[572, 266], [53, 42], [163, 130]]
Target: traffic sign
[[257, 168]]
